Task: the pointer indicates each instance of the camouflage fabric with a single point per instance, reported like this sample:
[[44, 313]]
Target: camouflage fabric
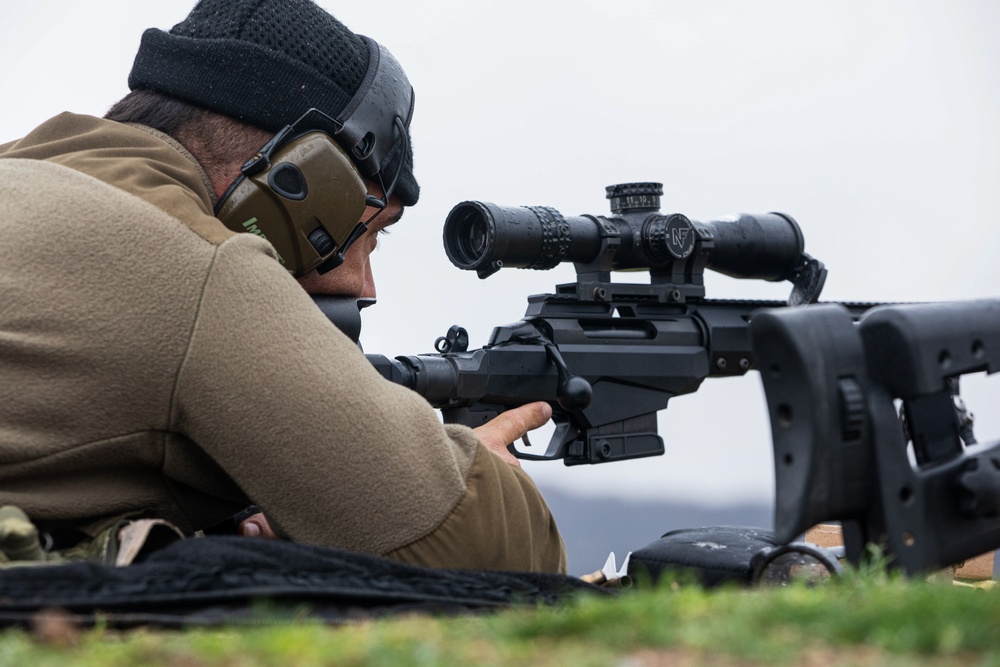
[[121, 542]]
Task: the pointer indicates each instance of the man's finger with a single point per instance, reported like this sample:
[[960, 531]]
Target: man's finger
[[497, 433], [256, 526], [513, 424]]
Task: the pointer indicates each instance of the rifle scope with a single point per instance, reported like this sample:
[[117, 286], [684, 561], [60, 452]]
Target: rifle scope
[[486, 237]]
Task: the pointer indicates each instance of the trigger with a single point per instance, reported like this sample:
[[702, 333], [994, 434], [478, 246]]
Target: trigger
[[513, 450]]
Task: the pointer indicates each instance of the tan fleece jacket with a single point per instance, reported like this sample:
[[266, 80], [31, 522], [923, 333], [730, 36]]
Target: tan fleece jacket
[[153, 361]]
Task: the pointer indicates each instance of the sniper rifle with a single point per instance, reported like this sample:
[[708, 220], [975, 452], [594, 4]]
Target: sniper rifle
[[606, 355]]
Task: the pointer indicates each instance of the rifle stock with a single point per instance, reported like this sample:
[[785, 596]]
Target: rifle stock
[[920, 486]]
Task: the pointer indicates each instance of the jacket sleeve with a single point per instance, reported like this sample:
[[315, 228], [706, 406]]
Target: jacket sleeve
[[500, 523], [334, 454]]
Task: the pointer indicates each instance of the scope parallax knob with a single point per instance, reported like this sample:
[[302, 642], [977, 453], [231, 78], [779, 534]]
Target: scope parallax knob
[[635, 196]]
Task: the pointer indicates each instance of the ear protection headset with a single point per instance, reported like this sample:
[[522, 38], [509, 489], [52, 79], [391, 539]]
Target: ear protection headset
[[304, 191]]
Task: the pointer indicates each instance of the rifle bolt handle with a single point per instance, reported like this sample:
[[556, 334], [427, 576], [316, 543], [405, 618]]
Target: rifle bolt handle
[[574, 393]]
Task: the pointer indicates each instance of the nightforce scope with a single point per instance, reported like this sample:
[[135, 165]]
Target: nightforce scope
[[486, 237]]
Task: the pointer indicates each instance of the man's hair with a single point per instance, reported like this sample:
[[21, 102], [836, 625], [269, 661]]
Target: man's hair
[[157, 110], [214, 139]]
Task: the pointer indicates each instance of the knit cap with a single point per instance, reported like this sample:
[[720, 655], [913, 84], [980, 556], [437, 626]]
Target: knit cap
[[264, 62]]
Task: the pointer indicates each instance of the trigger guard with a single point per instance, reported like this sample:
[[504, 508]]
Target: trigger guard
[[565, 433], [513, 450]]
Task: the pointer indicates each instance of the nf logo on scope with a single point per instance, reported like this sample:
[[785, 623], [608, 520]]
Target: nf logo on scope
[[680, 236]]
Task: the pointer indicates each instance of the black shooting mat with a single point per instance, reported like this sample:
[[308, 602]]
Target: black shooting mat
[[223, 580]]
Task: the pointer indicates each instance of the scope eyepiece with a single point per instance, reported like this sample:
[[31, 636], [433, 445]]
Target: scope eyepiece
[[484, 237], [469, 234]]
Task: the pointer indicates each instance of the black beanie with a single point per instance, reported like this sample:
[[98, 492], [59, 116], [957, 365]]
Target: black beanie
[[265, 62]]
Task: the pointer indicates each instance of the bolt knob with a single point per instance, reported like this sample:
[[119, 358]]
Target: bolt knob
[[574, 393]]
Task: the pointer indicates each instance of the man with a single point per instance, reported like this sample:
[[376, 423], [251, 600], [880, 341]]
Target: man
[[156, 362]]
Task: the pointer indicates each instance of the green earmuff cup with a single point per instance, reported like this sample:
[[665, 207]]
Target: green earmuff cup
[[306, 202]]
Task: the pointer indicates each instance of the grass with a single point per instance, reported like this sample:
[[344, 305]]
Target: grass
[[862, 619]]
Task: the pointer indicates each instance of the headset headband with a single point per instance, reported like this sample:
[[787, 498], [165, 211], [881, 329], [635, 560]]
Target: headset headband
[[367, 124]]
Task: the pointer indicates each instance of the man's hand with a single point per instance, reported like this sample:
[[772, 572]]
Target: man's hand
[[511, 425], [256, 525]]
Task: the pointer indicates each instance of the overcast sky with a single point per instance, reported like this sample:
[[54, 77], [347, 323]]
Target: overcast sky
[[874, 124]]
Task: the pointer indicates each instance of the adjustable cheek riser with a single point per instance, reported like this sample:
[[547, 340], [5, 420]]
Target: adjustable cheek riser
[[306, 202]]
